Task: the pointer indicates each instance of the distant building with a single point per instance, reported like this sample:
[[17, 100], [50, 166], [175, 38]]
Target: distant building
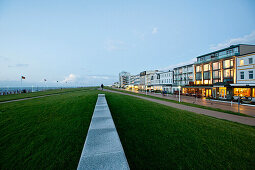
[[134, 82], [162, 81], [183, 75], [124, 79], [146, 79], [116, 84]]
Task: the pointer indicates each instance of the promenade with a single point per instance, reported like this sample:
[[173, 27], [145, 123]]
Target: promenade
[[230, 117], [245, 109]]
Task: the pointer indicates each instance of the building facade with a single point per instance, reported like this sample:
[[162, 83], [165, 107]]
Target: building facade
[[214, 72], [124, 79], [183, 75], [245, 76]]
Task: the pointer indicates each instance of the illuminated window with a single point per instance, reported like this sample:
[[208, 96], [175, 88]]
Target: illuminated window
[[228, 63], [228, 73], [216, 66], [241, 62], [242, 92], [198, 68], [206, 81], [206, 67]]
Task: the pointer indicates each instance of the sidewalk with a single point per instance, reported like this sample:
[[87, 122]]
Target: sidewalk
[[235, 118], [248, 110]]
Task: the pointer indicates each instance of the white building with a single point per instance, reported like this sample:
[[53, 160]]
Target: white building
[[124, 79], [162, 81], [245, 76], [183, 75]]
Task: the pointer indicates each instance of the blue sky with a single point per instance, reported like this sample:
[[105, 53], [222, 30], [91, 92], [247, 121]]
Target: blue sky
[[89, 42]]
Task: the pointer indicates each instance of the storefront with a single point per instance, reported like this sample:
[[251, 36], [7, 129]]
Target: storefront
[[205, 91]]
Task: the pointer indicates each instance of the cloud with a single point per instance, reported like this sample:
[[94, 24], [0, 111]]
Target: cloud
[[70, 78], [154, 30], [19, 65], [99, 77], [113, 45], [247, 39], [180, 64]]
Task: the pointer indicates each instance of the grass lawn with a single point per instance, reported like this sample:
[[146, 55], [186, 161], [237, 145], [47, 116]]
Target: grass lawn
[[155, 136], [184, 103], [49, 133], [45, 133], [34, 94]]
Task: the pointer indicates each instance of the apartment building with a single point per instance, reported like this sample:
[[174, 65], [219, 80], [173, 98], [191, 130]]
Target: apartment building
[[215, 71], [134, 82], [162, 81], [183, 75], [124, 79]]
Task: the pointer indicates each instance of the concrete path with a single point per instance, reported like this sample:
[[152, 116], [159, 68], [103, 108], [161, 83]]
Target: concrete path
[[28, 98], [102, 148], [235, 118]]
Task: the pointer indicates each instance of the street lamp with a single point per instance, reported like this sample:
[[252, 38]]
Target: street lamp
[[179, 94]]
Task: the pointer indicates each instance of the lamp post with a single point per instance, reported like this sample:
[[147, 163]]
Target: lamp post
[[179, 94], [145, 85]]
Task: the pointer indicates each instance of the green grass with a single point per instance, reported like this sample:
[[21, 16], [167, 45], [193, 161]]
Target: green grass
[[183, 103], [34, 94], [49, 133], [45, 133], [155, 136]]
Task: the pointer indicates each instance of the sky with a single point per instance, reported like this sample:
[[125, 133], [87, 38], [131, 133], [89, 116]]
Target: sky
[[88, 42]]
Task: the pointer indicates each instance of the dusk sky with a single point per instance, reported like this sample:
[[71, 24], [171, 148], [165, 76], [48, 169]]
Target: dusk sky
[[89, 42]]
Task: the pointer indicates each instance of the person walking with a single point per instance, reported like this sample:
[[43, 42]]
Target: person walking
[[102, 86]]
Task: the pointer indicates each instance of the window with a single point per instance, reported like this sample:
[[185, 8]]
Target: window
[[228, 73], [241, 62], [216, 74], [250, 60], [198, 76], [198, 68], [206, 75], [242, 75], [228, 63], [216, 66], [206, 67], [250, 74]]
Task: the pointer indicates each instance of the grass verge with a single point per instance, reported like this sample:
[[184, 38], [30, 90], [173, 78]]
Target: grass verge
[[45, 133], [183, 103], [155, 136]]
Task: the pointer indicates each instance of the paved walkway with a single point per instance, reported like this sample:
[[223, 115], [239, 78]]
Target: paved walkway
[[235, 118], [249, 110], [102, 148]]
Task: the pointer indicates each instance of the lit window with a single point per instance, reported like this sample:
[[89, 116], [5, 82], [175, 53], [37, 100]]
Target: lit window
[[250, 74], [228, 63], [242, 75], [206, 67], [228, 73], [250, 60], [198, 68], [241, 62], [216, 66]]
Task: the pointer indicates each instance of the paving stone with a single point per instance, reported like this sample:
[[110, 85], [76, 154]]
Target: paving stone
[[101, 113], [102, 123], [110, 161]]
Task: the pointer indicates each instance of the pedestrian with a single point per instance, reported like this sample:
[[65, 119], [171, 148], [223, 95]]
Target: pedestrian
[[102, 86]]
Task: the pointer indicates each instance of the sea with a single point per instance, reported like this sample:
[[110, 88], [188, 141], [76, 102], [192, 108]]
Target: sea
[[13, 90]]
